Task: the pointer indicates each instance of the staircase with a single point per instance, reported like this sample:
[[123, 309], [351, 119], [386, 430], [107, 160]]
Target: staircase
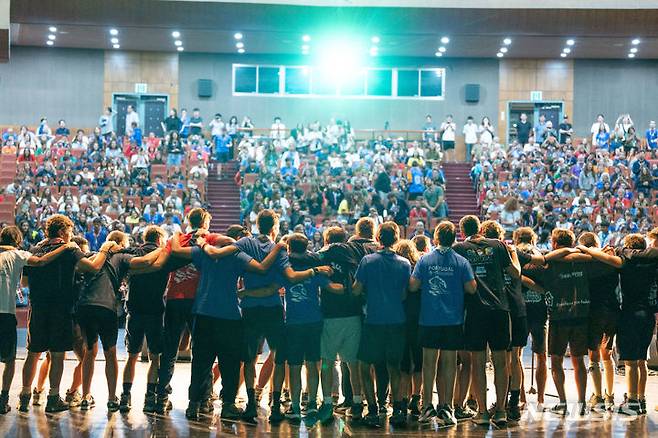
[[459, 195], [223, 197]]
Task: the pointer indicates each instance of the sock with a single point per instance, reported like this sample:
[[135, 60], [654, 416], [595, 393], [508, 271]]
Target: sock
[[328, 400], [514, 397], [251, 396], [26, 390], [54, 390], [150, 388], [357, 399], [276, 398], [127, 386]]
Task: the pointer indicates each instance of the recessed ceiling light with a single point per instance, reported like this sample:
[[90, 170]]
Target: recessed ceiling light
[[52, 29], [114, 32], [442, 49], [114, 40], [439, 54], [445, 40], [305, 47], [175, 34], [239, 44], [116, 46], [306, 38], [500, 54], [375, 40], [563, 55], [178, 43], [503, 50], [631, 55], [52, 37], [507, 41], [237, 36], [240, 50], [566, 50], [635, 42], [180, 49], [634, 50], [50, 43], [570, 42]]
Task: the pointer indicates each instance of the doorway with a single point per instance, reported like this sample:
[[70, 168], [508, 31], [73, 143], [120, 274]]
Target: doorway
[[151, 108], [552, 110]]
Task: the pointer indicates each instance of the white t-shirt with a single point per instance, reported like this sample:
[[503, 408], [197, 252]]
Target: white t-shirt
[[470, 132], [130, 118], [11, 268], [448, 131]]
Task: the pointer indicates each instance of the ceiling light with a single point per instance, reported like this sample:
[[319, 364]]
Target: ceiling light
[[114, 32], [178, 43], [634, 50], [635, 42], [570, 42], [445, 40], [563, 55], [52, 29], [52, 37], [375, 40], [240, 50], [439, 54], [507, 41], [114, 40], [500, 54], [566, 50], [237, 36], [631, 55], [116, 46], [175, 34], [442, 49], [503, 50], [239, 44], [180, 49], [50, 43], [306, 38], [373, 51]]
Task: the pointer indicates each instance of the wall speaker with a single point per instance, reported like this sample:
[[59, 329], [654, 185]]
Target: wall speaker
[[205, 88], [472, 93]]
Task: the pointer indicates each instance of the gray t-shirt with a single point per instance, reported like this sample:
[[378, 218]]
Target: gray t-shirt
[[11, 268], [101, 289]]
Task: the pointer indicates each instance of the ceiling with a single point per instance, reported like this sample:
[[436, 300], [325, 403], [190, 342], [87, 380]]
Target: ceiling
[[209, 26]]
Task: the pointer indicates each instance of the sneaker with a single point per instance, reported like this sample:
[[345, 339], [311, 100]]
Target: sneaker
[[383, 410], [399, 418], [446, 416], [276, 416], [343, 407], [24, 402], [356, 412], [214, 396], [36, 397], [513, 413], [559, 409], [192, 411], [87, 403], [596, 403], [162, 404], [609, 400], [113, 405], [251, 412], [414, 406], [304, 400], [326, 413], [629, 407], [231, 412], [499, 419], [125, 403], [150, 403], [73, 399], [583, 409], [293, 415], [4, 404], [55, 404], [427, 414], [472, 405], [285, 397], [463, 413], [207, 408], [643, 406], [481, 418], [371, 420]]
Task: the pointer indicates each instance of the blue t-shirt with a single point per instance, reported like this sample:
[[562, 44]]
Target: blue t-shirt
[[303, 300], [652, 138], [259, 248], [416, 185], [442, 275], [217, 292], [385, 278]]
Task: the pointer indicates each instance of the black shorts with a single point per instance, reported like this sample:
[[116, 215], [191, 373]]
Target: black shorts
[[484, 328], [448, 145], [412, 356], [445, 337], [262, 323], [95, 322], [602, 329], [139, 327], [519, 331], [302, 344], [7, 337], [382, 344], [49, 329], [567, 333], [634, 334], [537, 330]]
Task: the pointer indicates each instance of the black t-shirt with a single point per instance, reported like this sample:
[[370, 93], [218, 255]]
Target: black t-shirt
[[638, 280], [54, 284], [523, 131], [174, 147], [567, 290], [535, 302], [514, 289], [603, 288], [172, 123], [146, 292], [195, 130], [488, 258], [344, 258], [566, 127], [102, 289]]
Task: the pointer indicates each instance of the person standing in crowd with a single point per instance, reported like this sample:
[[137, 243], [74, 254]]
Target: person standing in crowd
[[106, 124], [448, 130], [651, 136], [172, 123], [382, 340], [443, 278], [565, 130], [184, 131], [429, 129], [196, 123], [598, 126], [470, 132], [523, 130], [540, 130], [131, 117]]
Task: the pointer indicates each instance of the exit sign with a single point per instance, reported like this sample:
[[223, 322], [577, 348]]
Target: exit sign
[[535, 96], [141, 88]]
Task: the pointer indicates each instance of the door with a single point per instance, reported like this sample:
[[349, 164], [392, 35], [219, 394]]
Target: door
[[552, 112], [155, 110], [121, 102]]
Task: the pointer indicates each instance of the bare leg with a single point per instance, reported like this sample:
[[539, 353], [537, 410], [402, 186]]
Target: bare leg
[[111, 371], [366, 382], [558, 377], [541, 374], [29, 371], [430, 357], [56, 371], [463, 384], [642, 379], [501, 378], [355, 380], [129, 368], [79, 351], [88, 369], [448, 360], [152, 376], [632, 378], [479, 379], [595, 371], [609, 371], [44, 369], [295, 385], [312, 380], [8, 375]]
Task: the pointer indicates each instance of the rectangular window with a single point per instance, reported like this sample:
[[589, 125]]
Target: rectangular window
[[245, 79], [354, 84], [324, 82], [298, 80], [431, 83], [408, 83], [268, 80], [380, 82]]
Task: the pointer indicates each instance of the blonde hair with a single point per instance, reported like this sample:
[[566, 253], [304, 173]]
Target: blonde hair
[[407, 249]]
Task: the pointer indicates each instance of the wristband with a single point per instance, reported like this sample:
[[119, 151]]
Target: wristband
[[315, 271], [204, 245]]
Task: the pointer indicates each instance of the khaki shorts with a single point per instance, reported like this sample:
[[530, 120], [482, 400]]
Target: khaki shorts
[[341, 337]]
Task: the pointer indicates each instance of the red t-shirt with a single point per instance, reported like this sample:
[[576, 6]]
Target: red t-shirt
[[183, 282]]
